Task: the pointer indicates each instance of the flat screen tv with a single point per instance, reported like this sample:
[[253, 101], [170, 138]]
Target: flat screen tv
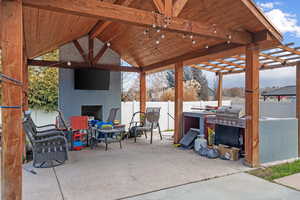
[[91, 79]]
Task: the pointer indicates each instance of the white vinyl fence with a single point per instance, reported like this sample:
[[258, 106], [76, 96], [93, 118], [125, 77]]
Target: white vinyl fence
[[128, 108], [166, 122]]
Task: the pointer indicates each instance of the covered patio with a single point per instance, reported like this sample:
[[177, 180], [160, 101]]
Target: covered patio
[[136, 169], [224, 37]]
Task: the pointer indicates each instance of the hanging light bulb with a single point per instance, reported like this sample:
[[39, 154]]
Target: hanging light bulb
[[157, 42], [194, 42], [69, 63], [206, 46], [228, 42], [108, 44], [158, 30], [153, 26], [184, 36], [191, 36], [215, 31], [145, 32], [165, 26], [163, 36]]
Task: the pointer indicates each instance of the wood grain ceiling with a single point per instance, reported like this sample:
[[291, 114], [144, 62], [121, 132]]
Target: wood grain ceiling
[[47, 30]]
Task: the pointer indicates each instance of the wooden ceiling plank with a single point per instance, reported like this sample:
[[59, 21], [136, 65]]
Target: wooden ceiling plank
[[159, 5], [178, 7], [168, 8], [191, 55], [108, 11], [80, 50]]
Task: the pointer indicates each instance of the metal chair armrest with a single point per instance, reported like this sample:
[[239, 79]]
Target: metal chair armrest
[[53, 138]]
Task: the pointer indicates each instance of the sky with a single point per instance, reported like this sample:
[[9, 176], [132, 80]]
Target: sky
[[285, 15]]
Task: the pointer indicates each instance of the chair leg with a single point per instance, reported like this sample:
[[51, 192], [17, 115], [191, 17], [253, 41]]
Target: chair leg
[[106, 146], [159, 132], [145, 132], [120, 144], [135, 136], [151, 135]]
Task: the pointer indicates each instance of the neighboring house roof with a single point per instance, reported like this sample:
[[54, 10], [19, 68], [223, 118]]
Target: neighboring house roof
[[283, 91]]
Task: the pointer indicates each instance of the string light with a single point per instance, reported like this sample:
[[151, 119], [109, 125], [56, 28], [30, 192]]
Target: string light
[[108, 44], [194, 42], [69, 63], [206, 46], [157, 42], [163, 36]]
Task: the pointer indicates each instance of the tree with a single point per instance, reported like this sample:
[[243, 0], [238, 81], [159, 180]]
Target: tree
[[191, 74]]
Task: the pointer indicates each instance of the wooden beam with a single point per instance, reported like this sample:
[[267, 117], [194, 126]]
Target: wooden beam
[[298, 103], [91, 50], [252, 106], [81, 65], [178, 7], [12, 66], [289, 49], [263, 19], [159, 5], [99, 28], [204, 68], [178, 102], [229, 63], [217, 49], [81, 51], [100, 54], [217, 66], [220, 89], [282, 61], [168, 8], [108, 11], [143, 92]]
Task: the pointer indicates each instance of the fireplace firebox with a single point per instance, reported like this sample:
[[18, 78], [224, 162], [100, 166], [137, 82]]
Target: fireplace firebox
[[92, 111]]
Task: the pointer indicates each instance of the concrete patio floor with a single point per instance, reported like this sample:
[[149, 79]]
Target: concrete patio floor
[[120, 173], [233, 187]]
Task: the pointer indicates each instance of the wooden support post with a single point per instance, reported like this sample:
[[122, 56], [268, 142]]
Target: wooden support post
[[178, 101], [25, 77], [143, 92], [252, 106], [298, 103], [220, 89], [12, 65]]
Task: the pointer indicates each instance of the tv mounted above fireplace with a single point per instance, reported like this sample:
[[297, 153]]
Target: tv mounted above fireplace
[[91, 79]]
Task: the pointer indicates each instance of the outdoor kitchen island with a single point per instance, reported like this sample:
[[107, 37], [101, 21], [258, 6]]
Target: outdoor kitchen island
[[274, 133]]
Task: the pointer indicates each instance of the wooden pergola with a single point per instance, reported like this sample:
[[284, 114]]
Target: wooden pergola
[[221, 36]]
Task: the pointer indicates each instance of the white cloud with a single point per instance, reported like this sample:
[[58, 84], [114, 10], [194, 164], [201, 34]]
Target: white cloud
[[285, 22], [268, 5]]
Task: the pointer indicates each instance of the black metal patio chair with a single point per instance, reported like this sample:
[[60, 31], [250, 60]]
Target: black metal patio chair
[[49, 150], [150, 123]]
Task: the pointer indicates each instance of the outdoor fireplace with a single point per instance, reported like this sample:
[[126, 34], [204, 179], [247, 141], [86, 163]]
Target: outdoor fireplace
[[92, 111]]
